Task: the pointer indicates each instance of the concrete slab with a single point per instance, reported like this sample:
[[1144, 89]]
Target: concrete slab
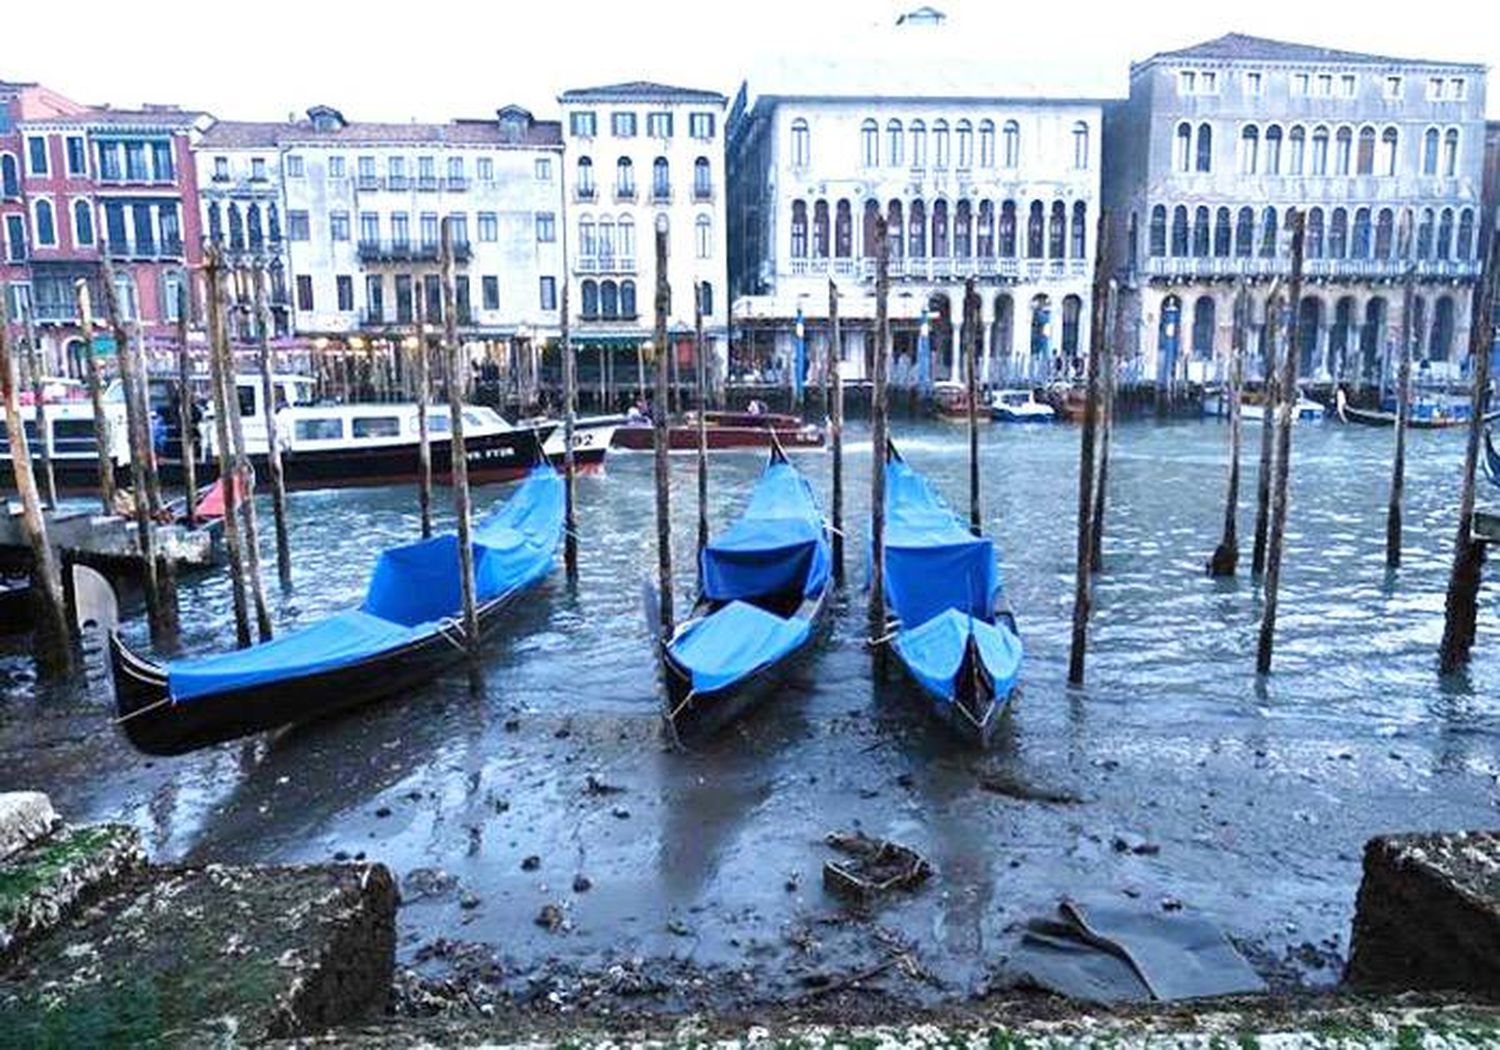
[[44, 884], [25, 816]]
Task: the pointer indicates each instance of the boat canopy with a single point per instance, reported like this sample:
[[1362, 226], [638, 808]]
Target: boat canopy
[[413, 588], [778, 546], [932, 562], [735, 641], [934, 652]]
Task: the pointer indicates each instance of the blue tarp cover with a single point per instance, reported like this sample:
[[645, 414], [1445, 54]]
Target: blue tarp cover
[[735, 641], [932, 561], [413, 587], [934, 651], [776, 546]]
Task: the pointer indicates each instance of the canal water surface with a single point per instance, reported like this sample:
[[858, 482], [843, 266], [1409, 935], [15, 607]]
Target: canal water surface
[[1174, 776]]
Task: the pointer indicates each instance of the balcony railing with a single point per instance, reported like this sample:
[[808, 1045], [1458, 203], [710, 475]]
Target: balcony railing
[[427, 183], [617, 316], [398, 183], [369, 318], [367, 182], [168, 248], [585, 193], [1276, 265], [624, 193], [456, 184], [661, 194], [404, 251], [703, 193], [605, 264], [53, 313]]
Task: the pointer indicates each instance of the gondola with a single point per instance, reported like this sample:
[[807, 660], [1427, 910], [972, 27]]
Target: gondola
[[1424, 415], [764, 593], [1491, 459], [952, 631], [406, 629]]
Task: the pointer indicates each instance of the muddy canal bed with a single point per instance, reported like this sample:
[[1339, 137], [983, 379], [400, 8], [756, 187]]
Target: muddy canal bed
[[555, 853]]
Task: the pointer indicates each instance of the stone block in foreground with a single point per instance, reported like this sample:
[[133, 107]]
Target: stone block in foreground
[[44, 884], [205, 954], [25, 816], [1428, 914]]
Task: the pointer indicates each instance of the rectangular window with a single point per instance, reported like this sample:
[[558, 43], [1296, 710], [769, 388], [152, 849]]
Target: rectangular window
[[432, 297], [144, 229], [429, 229], [489, 227], [659, 125], [1457, 89], [366, 168], [171, 231], [490, 290], [369, 227], [622, 125], [426, 173], [345, 286], [395, 174], [338, 225], [544, 169], [77, 157], [582, 125], [221, 169], [1347, 85], [327, 428], [135, 161], [36, 155], [1325, 85], [1393, 88], [298, 227], [486, 167], [403, 299], [161, 161], [462, 304], [335, 167], [1208, 83], [374, 297], [257, 169], [304, 292], [1252, 83], [546, 227], [376, 426], [294, 166], [701, 125], [1434, 89], [1299, 83], [400, 229], [114, 223], [1187, 82], [458, 222], [458, 179], [15, 238], [549, 293]]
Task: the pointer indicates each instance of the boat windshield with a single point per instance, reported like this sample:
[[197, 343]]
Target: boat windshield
[[1014, 398]]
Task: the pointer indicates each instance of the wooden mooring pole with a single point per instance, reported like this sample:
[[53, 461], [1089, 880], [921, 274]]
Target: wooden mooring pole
[[702, 382], [836, 428], [102, 439], [458, 454], [878, 436], [1286, 407], [1461, 605], [570, 467], [971, 379], [53, 645], [34, 364], [662, 437], [1107, 429], [1410, 336], [1226, 555], [424, 433], [1083, 583], [244, 470], [218, 353], [186, 402], [273, 438], [1269, 383]]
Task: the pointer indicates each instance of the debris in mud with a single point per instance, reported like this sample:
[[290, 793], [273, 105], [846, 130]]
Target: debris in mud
[[679, 928], [582, 883], [550, 918], [1011, 786], [1134, 844], [620, 813], [469, 901], [421, 883], [531, 863], [595, 786], [876, 866]]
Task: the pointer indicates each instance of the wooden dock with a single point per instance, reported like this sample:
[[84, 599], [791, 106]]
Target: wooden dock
[[108, 542]]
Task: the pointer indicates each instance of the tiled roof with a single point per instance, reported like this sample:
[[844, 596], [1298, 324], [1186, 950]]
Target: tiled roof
[[640, 91], [152, 116], [231, 134], [1260, 49]]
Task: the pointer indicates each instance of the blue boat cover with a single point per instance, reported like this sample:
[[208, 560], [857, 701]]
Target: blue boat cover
[[734, 642], [776, 546], [413, 587], [935, 650]]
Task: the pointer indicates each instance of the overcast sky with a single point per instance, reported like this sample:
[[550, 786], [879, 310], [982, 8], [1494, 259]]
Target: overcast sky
[[435, 59]]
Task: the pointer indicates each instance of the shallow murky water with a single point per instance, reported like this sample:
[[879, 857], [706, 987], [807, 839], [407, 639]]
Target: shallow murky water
[[1259, 795]]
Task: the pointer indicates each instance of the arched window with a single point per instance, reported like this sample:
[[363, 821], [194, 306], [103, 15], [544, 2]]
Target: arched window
[[1464, 249], [1080, 239], [1384, 228], [1012, 144], [1157, 238], [590, 299], [820, 230], [1222, 234], [627, 300], [1313, 237], [1036, 233], [624, 178], [588, 242], [1344, 147], [1272, 161], [964, 132], [962, 230], [1338, 234], [1445, 234], [1244, 233], [1057, 238], [799, 229], [1201, 232], [895, 230], [703, 234], [609, 299], [252, 224], [1359, 248], [1249, 150], [236, 228], [1389, 140], [1424, 234], [984, 239], [1450, 152], [46, 225], [626, 230], [1430, 152], [273, 224], [83, 222], [1203, 326], [1072, 314], [585, 171], [1179, 231], [1007, 246], [916, 227], [940, 144], [1268, 233], [872, 225], [661, 179], [1205, 147], [1296, 148], [801, 144], [705, 297], [215, 223], [1319, 164], [940, 245], [1364, 161], [607, 243], [895, 144], [1081, 145], [917, 137], [10, 180], [869, 144], [1184, 147], [986, 143], [843, 231]]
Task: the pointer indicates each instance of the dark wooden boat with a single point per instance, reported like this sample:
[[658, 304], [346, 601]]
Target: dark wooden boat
[[16, 613], [1422, 416], [157, 721], [739, 640], [1491, 462], [725, 430]]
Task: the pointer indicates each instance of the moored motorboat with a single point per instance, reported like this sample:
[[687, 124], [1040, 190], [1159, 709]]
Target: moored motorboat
[[724, 431], [407, 628], [765, 589], [1020, 406], [1253, 409], [950, 400], [951, 627]]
